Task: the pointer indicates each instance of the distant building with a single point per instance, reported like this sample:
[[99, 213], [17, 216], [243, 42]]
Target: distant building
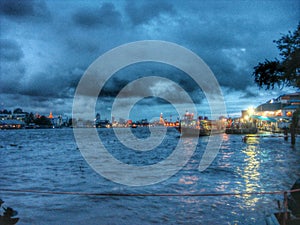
[[5, 116], [18, 116], [59, 121], [122, 121]]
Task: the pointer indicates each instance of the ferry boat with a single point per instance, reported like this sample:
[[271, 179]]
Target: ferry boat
[[199, 127], [193, 131]]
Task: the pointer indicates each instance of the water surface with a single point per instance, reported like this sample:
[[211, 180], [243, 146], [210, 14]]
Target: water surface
[[49, 160]]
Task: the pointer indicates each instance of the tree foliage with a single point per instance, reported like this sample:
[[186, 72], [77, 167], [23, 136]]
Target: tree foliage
[[283, 72], [43, 120], [18, 111]]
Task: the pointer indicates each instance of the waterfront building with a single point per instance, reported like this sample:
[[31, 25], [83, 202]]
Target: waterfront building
[[276, 114], [283, 106], [11, 124]]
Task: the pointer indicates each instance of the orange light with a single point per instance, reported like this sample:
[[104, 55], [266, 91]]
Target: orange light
[[50, 116]]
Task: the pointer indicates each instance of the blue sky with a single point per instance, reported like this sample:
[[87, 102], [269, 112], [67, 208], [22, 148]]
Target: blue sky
[[46, 46]]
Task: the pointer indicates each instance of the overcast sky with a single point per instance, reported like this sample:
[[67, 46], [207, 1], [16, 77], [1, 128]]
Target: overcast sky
[[46, 46]]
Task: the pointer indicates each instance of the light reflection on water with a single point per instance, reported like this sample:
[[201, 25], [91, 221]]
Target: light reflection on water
[[49, 160], [251, 174], [187, 180]]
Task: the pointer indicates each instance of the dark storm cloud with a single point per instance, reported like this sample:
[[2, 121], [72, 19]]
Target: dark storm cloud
[[106, 15], [10, 50], [11, 77], [52, 84], [248, 94], [41, 105], [20, 9], [41, 84], [44, 61], [139, 70], [148, 101], [142, 12], [229, 70], [233, 38], [17, 8], [223, 42]]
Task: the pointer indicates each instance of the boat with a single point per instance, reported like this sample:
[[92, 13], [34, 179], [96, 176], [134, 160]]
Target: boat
[[103, 124], [134, 125], [193, 131], [199, 128]]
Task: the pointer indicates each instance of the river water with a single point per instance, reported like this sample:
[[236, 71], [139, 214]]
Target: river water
[[49, 163]]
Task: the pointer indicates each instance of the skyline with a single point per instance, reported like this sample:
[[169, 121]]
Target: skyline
[[46, 46]]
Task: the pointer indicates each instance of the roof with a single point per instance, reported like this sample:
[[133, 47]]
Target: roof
[[269, 107], [292, 107], [294, 101], [264, 118], [11, 122], [295, 94]]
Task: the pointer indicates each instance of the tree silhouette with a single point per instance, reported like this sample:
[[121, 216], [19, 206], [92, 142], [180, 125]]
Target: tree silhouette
[[283, 72], [43, 120], [29, 118], [18, 111]]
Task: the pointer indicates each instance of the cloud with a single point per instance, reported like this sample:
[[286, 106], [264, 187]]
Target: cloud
[[105, 16], [140, 70], [249, 94], [10, 50], [29, 9], [17, 8], [11, 77], [143, 12], [41, 105], [47, 46]]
